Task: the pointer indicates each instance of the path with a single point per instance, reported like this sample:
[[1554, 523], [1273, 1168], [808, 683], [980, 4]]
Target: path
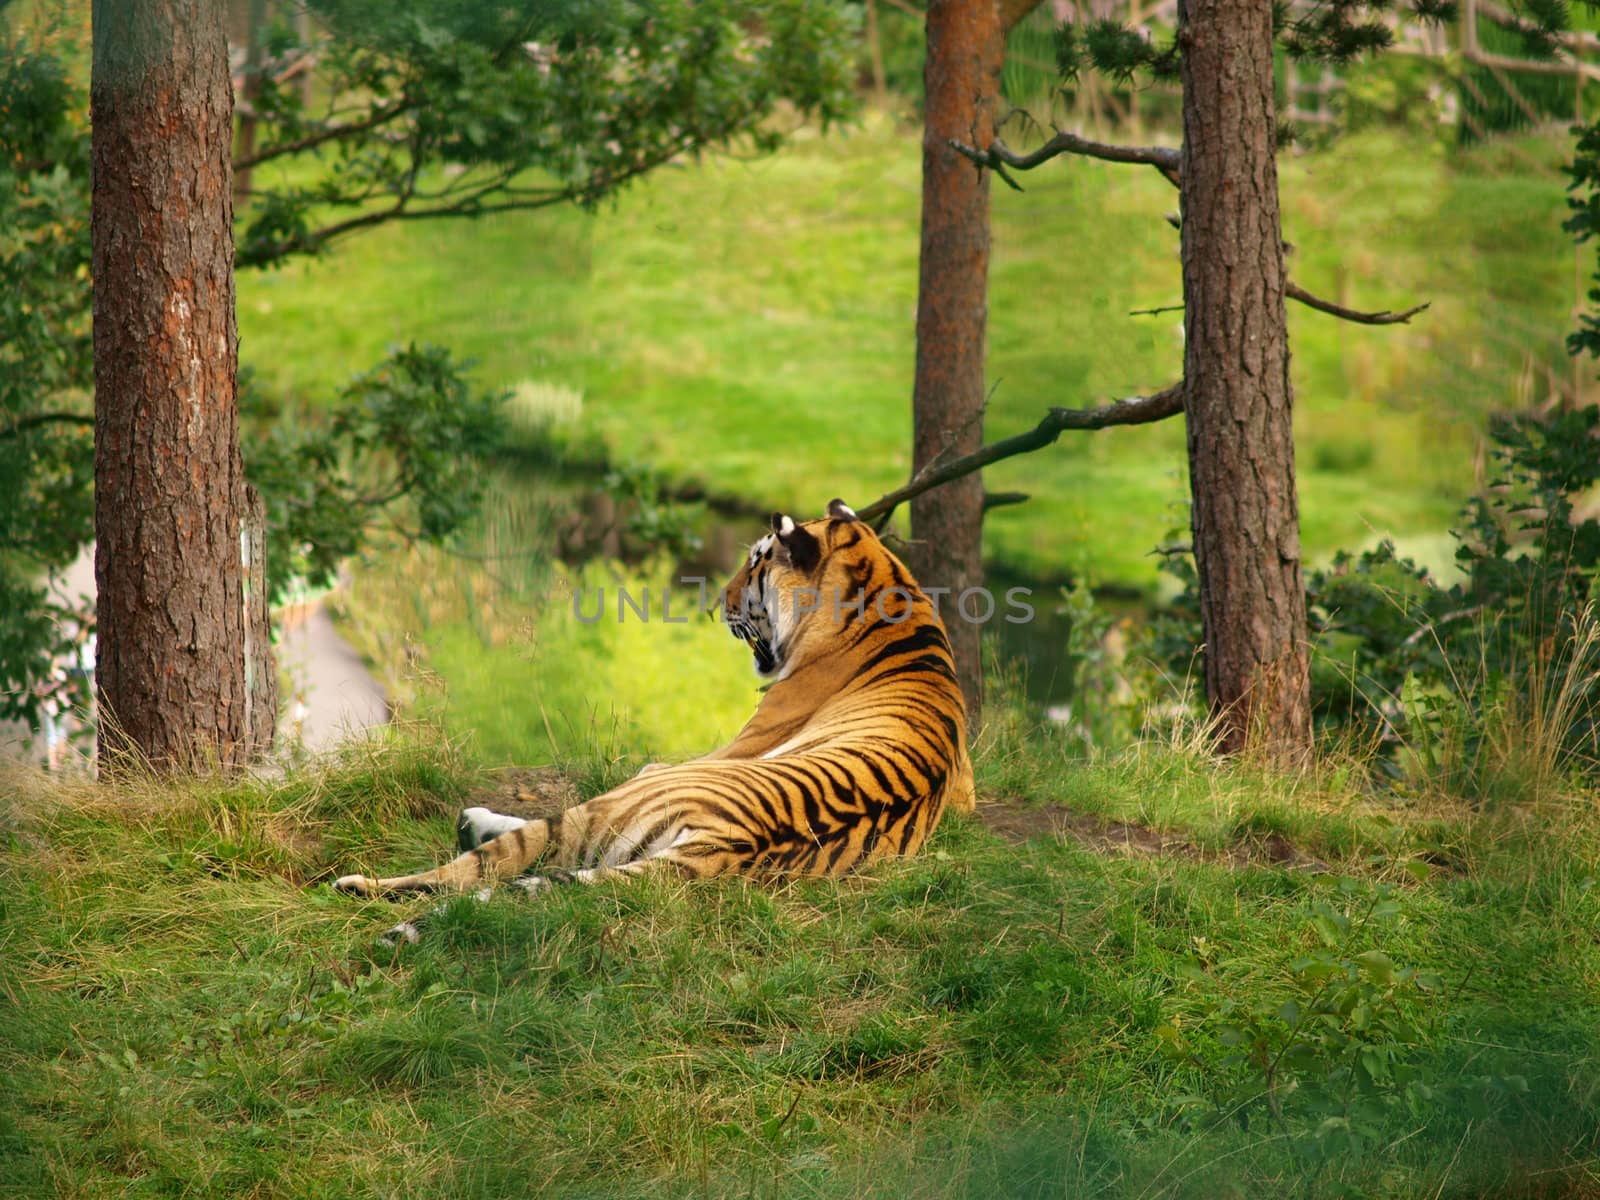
[[330, 695]]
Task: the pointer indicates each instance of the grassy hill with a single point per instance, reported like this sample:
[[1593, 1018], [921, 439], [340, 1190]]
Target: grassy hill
[[1190, 981], [749, 324]]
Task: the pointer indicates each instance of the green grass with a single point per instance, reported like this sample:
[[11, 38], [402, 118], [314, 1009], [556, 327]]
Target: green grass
[[186, 1014], [749, 324], [522, 657]]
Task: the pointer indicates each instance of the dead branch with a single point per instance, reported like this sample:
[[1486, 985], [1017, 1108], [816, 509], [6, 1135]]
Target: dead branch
[[1137, 410], [1163, 158], [1166, 160], [1386, 317], [1002, 499]]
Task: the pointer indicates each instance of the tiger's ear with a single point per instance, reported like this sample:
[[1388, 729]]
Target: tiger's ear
[[840, 511], [805, 552]]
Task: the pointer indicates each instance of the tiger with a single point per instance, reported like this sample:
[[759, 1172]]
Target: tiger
[[857, 747]]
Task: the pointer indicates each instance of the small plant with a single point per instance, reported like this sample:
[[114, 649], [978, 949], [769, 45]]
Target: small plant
[[1092, 676], [1330, 1061], [650, 516]]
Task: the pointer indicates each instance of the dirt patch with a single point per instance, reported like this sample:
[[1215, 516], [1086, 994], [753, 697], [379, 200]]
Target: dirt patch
[[1019, 822], [543, 791], [525, 792]]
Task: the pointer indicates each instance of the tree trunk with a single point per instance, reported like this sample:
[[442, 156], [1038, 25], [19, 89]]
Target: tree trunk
[[961, 77], [168, 482], [1236, 383], [254, 55]]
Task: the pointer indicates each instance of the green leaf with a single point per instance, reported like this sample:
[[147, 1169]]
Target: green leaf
[[1378, 965]]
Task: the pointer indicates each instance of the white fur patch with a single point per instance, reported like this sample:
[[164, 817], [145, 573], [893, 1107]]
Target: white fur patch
[[404, 932], [784, 748], [786, 526], [485, 824]]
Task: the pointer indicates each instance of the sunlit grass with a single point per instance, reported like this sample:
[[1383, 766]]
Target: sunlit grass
[[750, 324]]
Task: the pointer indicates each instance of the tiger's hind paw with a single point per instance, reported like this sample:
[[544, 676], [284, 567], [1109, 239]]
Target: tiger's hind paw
[[475, 826]]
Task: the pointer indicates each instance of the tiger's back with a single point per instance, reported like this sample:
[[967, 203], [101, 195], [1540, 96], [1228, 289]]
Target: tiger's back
[[855, 750]]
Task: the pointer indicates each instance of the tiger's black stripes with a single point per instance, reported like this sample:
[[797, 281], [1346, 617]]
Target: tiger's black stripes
[[854, 752]]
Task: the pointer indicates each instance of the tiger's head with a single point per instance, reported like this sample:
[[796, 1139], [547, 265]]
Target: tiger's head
[[804, 583]]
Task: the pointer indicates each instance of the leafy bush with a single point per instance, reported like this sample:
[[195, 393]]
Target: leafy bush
[[1329, 1058], [1492, 672], [406, 441]]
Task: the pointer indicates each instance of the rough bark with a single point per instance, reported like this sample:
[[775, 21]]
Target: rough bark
[[961, 76], [1237, 397], [168, 482]]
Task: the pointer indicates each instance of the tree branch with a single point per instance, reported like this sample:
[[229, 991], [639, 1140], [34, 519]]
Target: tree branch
[[1295, 292], [1163, 158], [1002, 499], [1138, 410], [332, 133], [1386, 317], [471, 205], [1168, 161], [24, 424]]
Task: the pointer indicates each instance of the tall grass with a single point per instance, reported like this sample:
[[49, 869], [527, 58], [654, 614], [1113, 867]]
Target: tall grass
[[1514, 733]]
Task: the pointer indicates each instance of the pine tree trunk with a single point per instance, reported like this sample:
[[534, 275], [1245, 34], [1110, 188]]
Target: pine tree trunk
[[168, 482], [961, 76], [1237, 397]]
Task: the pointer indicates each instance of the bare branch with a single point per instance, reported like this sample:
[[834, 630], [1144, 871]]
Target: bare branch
[[1386, 317], [1002, 499], [1167, 161], [1137, 410], [1163, 158], [1296, 292]]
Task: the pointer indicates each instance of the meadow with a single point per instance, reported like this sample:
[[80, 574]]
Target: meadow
[[1189, 980], [749, 326], [1137, 972]]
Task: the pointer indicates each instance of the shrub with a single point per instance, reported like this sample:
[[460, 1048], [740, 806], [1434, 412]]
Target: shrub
[[1489, 680]]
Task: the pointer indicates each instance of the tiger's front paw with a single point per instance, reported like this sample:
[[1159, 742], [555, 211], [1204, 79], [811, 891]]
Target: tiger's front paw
[[356, 885], [406, 933]]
